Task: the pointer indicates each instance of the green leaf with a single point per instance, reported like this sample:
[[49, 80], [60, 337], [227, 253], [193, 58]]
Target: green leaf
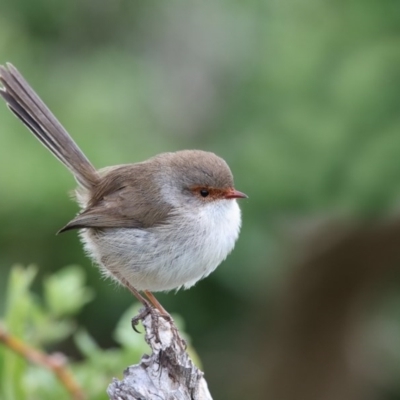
[[65, 292]]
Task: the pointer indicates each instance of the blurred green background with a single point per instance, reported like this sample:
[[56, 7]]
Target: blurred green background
[[301, 99]]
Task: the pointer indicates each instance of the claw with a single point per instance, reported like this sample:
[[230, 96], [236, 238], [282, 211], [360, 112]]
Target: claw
[[134, 322], [141, 316]]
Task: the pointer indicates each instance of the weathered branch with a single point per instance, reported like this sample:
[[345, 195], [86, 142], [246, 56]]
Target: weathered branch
[[168, 373]]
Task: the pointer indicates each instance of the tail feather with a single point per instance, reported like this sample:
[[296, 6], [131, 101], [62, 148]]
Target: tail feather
[[30, 109]]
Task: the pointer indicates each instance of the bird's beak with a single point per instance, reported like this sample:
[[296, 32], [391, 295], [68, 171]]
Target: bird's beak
[[235, 194]]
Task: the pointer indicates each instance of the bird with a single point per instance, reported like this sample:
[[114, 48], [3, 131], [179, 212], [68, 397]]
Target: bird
[[156, 225]]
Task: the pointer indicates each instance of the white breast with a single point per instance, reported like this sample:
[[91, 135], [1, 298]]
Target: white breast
[[170, 256]]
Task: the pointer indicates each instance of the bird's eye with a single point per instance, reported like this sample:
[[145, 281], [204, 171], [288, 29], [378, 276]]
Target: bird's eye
[[204, 192]]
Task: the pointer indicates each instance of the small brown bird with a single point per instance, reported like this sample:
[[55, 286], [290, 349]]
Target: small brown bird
[[156, 225]]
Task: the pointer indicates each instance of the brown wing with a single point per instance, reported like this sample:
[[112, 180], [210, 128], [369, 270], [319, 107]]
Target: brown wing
[[126, 197]]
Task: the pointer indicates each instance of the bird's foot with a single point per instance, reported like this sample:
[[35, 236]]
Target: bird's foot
[[143, 313], [155, 315]]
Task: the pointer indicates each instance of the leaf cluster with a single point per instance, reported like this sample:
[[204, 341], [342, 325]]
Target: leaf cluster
[[46, 320]]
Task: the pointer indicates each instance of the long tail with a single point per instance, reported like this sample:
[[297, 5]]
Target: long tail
[[30, 109]]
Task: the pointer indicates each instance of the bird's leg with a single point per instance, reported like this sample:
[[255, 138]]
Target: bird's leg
[[165, 314], [148, 309], [156, 303], [134, 292]]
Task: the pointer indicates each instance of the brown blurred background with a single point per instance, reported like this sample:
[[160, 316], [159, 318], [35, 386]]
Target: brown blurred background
[[302, 100]]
